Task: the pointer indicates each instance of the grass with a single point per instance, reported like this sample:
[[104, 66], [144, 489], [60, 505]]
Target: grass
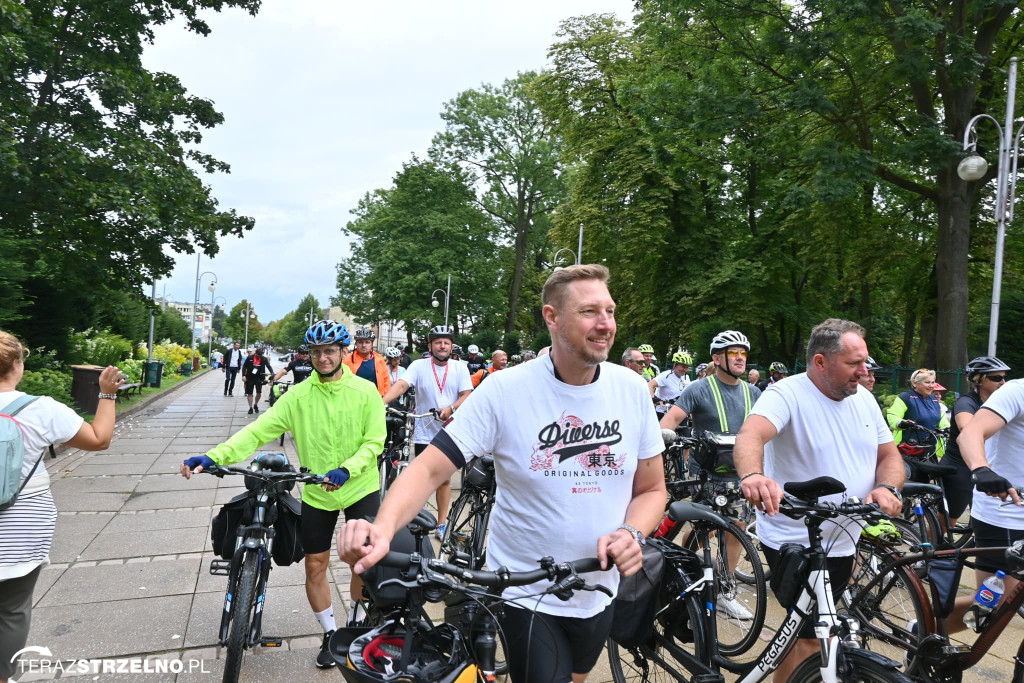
[[165, 384]]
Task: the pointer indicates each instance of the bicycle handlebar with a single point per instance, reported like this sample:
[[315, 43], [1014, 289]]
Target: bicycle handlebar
[[267, 475], [564, 574], [405, 413], [796, 508], [942, 433]]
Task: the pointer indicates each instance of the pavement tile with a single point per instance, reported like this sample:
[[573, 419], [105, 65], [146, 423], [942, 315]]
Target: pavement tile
[[271, 664], [286, 615], [141, 457], [100, 484], [129, 446], [94, 469], [137, 544], [226, 494], [292, 575], [74, 533], [160, 519], [174, 482], [105, 583], [47, 577], [170, 499], [109, 629], [72, 501]]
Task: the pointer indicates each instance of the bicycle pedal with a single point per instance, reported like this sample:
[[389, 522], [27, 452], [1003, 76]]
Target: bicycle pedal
[[220, 567], [955, 649], [271, 642]]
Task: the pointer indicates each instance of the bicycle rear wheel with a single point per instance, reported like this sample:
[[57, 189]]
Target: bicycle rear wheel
[[460, 542], [654, 661], [855, 667], [742, 604], [241, 609]]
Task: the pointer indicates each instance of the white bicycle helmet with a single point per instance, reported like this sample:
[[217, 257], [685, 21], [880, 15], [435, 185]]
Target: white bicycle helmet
[[724, 340], [473, 349], [392, 352]]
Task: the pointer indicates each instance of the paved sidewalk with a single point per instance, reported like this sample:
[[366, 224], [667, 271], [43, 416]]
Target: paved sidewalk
[[130, 575]]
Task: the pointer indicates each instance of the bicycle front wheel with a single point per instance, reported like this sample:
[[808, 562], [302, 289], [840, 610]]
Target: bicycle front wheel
[[241, 609], [741, 586], [654, 661], [855, 667], [459, 542]]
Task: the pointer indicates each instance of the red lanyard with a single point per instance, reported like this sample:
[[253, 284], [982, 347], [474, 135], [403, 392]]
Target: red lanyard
[[440, 383]]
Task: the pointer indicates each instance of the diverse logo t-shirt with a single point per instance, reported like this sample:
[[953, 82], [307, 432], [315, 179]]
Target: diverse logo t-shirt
[[564, 459]]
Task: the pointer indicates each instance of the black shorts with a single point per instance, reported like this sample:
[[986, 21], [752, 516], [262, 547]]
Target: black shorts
[[542, 648], [253, 383], [318, 525], [990, 536], [840, 569]]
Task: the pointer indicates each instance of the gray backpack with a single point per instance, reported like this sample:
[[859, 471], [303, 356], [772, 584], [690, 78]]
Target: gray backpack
[[12, 453]]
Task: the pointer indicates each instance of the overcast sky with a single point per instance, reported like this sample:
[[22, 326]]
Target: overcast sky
[[323, 101]]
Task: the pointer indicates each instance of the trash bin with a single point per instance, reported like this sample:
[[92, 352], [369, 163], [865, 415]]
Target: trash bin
[[185, 369], [85, 387], [154, 372], [195, 364]]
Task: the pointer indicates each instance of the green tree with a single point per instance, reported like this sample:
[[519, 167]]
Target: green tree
[[170, 325], [218, 320], [234, 323], [99, 159], [409, 238], [499, 138]]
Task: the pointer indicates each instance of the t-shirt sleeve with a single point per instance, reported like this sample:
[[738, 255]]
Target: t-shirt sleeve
[[881, 424], [1007, 402], [651, 442], [411, 375], [465, 381], [62, 423], [965, 404], [773, 407], [473, 429], [660, 379]]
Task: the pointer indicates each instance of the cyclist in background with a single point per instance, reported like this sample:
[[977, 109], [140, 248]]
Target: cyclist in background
[[367, 364], [720, 404], [499, 361], [650, 369], [337, 420], [255, 370], [777, 371], [633, 359], [475, 360], [301, 366], [395, 369], [667, 386], [405, 360], [516, 359], [441, 384], [529, 355], [919, 405]]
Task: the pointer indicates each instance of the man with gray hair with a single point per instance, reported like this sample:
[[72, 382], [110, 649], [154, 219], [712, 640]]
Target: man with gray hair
[[752, 377], [633, 359], [819, 423]]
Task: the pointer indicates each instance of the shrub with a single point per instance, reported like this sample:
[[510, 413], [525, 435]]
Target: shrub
[[541, 339], [98, 347], [48, 383], [488, 341], [512, 344], [133, 368], [172, 355]]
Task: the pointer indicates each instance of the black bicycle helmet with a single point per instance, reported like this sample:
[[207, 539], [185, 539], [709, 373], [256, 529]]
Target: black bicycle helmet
[[456, 350], [303, 348], [441, 332], [271, 462], [365, 333], [872, 365], [982, 365]]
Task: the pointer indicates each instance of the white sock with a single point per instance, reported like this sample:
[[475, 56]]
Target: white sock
[[326, 619]]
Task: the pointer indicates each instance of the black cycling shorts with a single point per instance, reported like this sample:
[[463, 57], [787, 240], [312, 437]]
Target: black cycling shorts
[[318, 525], [253, 383], [840, 569], [542, 648], [990, 536]]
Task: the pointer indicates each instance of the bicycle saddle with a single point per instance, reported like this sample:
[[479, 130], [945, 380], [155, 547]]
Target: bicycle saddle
[[934, 469], [914, 488], [814, 488], [684, 511], [423, 523]]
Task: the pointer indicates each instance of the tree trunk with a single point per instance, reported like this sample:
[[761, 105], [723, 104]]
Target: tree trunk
[[954, 238], [522, 233]]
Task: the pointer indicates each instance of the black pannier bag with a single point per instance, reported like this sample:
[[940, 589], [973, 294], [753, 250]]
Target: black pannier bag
[[224, 529], [791, 574], [285, 517], [287, 547], [637, 598]]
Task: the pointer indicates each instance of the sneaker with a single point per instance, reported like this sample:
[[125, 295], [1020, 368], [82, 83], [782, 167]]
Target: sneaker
[[250, 410], [732, 607], [325, 660], [256, 407], [439, 531], [356, 614], [230, 394]]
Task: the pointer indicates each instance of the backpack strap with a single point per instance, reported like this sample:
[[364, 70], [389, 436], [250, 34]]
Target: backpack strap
[[12, 409]]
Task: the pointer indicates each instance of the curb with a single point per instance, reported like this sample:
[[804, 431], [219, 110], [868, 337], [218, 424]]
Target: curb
[[139, 407]]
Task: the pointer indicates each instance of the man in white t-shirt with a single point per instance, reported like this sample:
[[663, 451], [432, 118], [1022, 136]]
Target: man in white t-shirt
[[667, 385], [996, 466], [577, 455], [441, 384], [820, 423]]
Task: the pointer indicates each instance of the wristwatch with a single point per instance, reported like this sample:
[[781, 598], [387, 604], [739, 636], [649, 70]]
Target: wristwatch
[[892, 489], [112, 397], [636, 534]]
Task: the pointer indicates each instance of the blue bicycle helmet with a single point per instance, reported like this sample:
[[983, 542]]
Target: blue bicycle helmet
[[325, 332]]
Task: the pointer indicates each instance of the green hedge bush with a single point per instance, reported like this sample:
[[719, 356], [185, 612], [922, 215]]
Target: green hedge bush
[[48, 383]]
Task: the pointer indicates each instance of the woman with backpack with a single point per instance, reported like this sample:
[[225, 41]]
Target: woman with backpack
[[28, 426]]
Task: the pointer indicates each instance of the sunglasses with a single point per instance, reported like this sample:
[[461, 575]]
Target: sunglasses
[[996, 378], [736, 353]]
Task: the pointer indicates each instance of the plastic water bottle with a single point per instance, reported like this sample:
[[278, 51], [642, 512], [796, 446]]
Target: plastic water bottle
[[985, 600]]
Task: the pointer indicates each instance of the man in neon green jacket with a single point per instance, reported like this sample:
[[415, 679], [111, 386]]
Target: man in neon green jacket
[[337, 420]]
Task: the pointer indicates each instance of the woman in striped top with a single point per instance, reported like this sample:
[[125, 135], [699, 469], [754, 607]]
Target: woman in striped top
[[26, 528]]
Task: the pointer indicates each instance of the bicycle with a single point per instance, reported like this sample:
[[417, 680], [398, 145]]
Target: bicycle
[[464, 539], [273, 396], [248, 570], [743, 587], [685, 616], [409, 646], [398, 448]]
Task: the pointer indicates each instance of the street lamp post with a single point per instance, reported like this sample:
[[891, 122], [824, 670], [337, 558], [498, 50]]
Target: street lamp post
[[213, 307], [248, 314], [447, 292], [555, 260], [974, 167], [579, 252], [195, 305]]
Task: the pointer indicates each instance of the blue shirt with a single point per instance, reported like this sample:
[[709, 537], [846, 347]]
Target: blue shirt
[[367, 370]]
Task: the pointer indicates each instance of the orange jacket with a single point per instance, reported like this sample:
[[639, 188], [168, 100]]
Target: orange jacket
[[478, 376], [380, 366]]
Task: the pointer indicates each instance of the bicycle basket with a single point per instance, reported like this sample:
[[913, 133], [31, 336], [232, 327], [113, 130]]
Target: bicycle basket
[[636, 601], [224, 529]]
